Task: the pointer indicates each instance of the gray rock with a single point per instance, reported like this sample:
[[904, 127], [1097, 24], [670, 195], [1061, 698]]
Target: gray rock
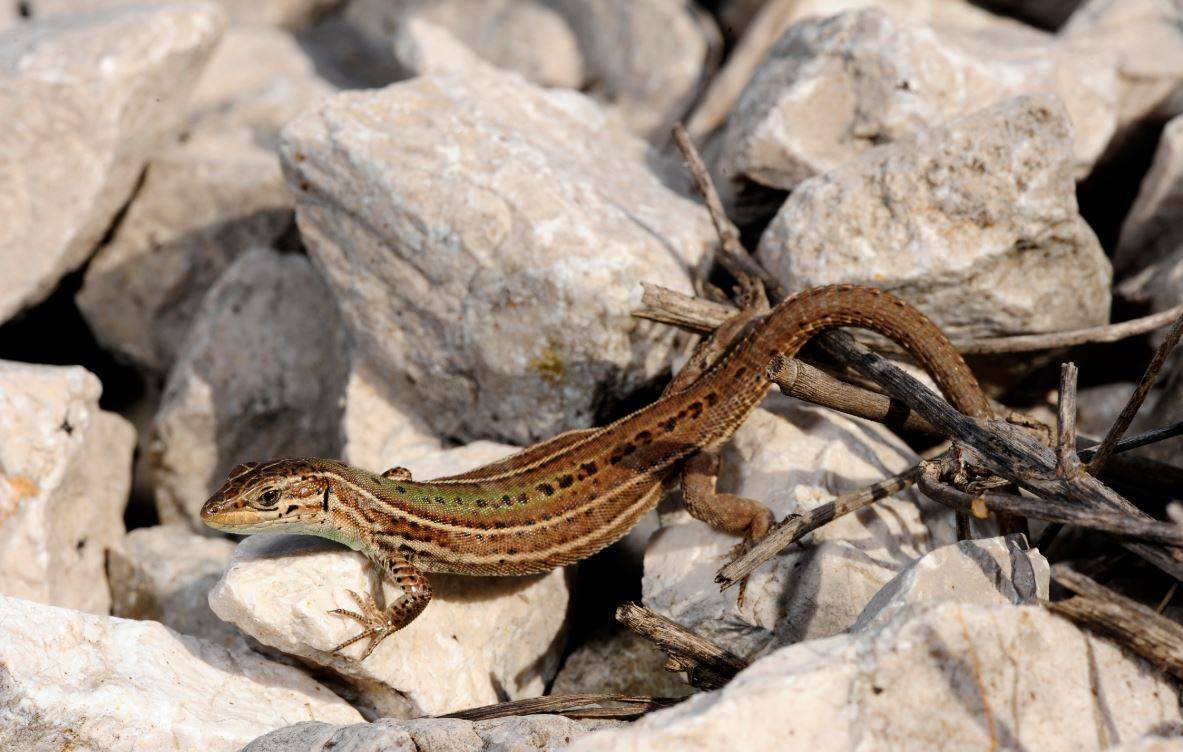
[[65, 472], [621, 661], [974, 221], [289, 13], [491, 266], [164, 574], [939, 676], [206, 199], [530, 733], [84, 101], [260, 375], [832, 89]]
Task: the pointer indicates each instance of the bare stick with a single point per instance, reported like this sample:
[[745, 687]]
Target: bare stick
[[1130, 624], [797, 526], [1067, 462], [1137, 398], [708, 666], [1152, 436], [592, 705]]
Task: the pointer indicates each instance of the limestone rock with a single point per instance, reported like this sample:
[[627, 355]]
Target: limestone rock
[[421, 47], [525, 36], [164, 574], [260, 375], [832, 89], [986, 571], [648, 57], [84, 101], [1150, 744], [65, 473], [974, 221], [378, 431], [795, 463], [530, 733], [621, 661], [290, 13], [206, 198], [75, 681], [941, 676], [491, 265]]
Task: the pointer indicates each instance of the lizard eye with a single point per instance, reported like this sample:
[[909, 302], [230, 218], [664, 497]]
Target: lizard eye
[[270, 496]]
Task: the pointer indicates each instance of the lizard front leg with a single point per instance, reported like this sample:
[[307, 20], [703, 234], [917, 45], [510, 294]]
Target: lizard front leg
[[379, 624]]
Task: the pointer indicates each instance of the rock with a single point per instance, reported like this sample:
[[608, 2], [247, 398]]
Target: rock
[[421, 47], [441, 246], [85, 101], [494, 638], [793, 461], [206, 199], [65, 473], [525, 36], [74, 681], [164, 574], [529, 733], [974, 221], [669, 47], [1046, 14], [620, 661], [832, 89], [380, 433], [1150, 744], [940, 676], [260, 375], [986, 571], [1098, 406], [1149, 255], [289, 13]]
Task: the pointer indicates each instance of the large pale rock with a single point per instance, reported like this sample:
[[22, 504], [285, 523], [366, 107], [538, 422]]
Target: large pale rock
[[942, 676], [84, 101], [648, 57], [164, 573], [260, 375], [479, 641], [65, 473], [833, 88], [975, 221], [206, 198], [794, 461], [74, 681], [1149, 255], [525, 36], [378, 431], [986, 571], [290, 13], [421, 47], [529, 733], [492, 264]]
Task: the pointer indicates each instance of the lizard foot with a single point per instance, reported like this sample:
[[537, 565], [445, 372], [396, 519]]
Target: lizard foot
[[378, 626], [762, 523]]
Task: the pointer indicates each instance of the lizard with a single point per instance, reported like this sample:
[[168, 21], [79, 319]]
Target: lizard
[[565, 498]]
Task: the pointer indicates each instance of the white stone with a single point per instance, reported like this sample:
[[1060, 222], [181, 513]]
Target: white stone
[[974, 221], [421, 47], [290, 13], [379, 432], [524, 36], [986, 571], [832, 89], [530, 733], [205, 199], [1150, 744], [792, 464], [260, 375], [84, 101], [492, 265], [943, 676], [65, 474], [74, 681], [164, 573]]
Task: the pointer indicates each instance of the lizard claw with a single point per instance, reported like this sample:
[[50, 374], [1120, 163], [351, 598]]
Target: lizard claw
[[378, 626]]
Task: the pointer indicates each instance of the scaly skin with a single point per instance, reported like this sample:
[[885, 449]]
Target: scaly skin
[[564, 499]]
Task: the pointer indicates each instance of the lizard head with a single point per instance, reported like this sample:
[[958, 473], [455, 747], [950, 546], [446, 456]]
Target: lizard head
[[281, 496]]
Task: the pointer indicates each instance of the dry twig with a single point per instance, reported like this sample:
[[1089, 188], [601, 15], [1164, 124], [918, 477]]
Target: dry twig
[[707, 665], [594, 705]]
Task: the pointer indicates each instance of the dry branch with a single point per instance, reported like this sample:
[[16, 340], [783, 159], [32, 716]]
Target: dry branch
[[596, 705], [707, 665]]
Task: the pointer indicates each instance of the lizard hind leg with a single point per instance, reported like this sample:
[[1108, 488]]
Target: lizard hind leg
[[379, 624]]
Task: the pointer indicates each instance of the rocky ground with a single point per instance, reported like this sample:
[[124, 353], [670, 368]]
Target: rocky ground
[[412, 232]]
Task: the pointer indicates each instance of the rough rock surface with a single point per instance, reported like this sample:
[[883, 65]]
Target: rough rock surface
[[206, 198], [65, 472], [421, 47], [164, 573], [290, 13], [378, 431], [834, 88], [74, 681], [260, 375], [84, 101], [525, 36], [791, 464], [942, 676], [985, 571], [493, 263], [531, 733], [974, 221], [619, 660]]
